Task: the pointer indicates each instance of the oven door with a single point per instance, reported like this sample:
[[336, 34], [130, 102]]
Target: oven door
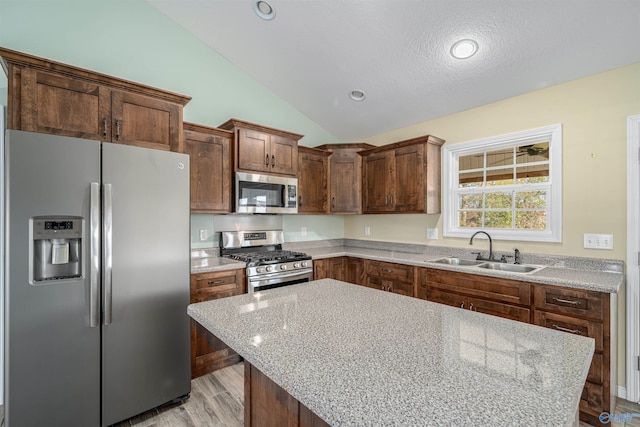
[[277, 280]]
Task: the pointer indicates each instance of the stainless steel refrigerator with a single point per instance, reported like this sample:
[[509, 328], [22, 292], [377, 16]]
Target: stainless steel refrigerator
[[96, 280]]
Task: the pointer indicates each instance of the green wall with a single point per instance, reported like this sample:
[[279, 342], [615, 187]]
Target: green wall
[[134, 41]]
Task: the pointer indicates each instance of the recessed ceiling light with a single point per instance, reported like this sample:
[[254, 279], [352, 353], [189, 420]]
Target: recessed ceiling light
[[357, 95], [264, 10], [463, 49]]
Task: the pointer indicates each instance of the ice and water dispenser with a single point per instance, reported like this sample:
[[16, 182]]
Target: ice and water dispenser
[[56, 246]]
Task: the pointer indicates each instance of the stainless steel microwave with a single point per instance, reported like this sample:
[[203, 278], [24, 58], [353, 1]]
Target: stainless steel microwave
[[266, 194]]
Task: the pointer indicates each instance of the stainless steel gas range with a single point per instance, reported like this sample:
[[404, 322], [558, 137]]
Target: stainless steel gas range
[[268, 265]]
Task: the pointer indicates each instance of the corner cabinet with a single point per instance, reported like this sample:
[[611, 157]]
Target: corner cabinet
[[312, 180], [262, 149], [209, 150], [208, 353], [403, 177], [49, 97], [345, 177]]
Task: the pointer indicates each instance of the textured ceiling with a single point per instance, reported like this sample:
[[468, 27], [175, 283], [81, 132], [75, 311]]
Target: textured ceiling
[[397, 51]]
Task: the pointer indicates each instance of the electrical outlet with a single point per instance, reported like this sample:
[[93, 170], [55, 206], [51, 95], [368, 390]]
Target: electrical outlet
[[432, 233], [367, 230], [303, 231], [203, 234], [598, 241]]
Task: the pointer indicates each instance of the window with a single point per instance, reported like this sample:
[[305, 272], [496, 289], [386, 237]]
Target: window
[[509, 185]]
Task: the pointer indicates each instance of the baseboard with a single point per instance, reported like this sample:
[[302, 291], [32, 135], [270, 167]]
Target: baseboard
[[622, 392]]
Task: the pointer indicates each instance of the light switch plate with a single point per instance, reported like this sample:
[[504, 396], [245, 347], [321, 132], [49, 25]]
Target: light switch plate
[[598, 241]]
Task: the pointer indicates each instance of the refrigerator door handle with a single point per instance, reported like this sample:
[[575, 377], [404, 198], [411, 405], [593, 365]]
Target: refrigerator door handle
[[107, 233], [94, 269]]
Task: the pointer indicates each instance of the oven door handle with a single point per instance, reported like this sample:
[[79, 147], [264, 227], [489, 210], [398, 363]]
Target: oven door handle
[[279, 277]]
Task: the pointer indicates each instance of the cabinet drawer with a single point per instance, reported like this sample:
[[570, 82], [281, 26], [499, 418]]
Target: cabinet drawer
[[579, 302], [573, 325], [390, 270], [447, 298], [493, 288], [208, 286]]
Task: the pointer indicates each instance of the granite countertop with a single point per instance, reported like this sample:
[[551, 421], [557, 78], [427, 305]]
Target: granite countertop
[[580, 273], [357, 356]]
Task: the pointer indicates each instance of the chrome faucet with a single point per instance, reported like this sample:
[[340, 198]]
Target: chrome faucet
[[490, 245]]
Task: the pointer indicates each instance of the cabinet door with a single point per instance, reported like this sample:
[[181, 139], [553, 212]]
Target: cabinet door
[[146, 122], [253, 151], [409, 179], [378, 182], [345, 189], [354, 271], [312, 182], [320, 269], [210, 171], [284, 155], [59, 105], [337, 268]]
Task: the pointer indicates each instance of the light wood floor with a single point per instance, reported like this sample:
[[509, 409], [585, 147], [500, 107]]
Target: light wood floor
[[217, 399]]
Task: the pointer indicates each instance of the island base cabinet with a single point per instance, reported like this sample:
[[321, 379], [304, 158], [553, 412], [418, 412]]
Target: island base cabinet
[[266, 404]]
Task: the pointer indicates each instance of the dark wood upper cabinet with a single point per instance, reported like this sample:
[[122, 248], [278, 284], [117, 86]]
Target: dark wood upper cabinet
[[312, 180], [345, 177], [49, 97], [262, 149], [209, 150], [403, 177]]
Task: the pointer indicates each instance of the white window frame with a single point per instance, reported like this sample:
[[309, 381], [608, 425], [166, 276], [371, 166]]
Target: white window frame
[[451, 174]]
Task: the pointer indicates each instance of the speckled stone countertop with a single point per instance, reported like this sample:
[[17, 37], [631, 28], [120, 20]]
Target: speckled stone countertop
[[356, 356], [211, 264], [582, 278]]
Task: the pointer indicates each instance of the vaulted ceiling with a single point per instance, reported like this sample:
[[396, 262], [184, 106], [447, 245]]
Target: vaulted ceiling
[[313, 53]]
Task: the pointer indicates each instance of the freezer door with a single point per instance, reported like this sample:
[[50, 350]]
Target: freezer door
[[146, 270], [52, 353]]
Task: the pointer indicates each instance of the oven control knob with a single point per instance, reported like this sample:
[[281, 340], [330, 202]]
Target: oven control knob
[[283, 267], [304, 263], [296, 265], [269, 268]]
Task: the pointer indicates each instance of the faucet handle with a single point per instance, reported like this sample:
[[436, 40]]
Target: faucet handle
[[478, 254], [503, 258]]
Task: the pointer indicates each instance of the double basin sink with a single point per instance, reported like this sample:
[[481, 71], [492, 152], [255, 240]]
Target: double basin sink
[[490, 265]]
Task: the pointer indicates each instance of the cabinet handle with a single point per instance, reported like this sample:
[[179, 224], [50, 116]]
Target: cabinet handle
[[333, 203], [273, 161], [391, 199], [266, 161], [386, 200], [471, 306], [390, 290], [213, 282], [565, 301], [382, 287], [387, 270], [104, 128], [299, 201], [571, 331], [118, 129], [462, 305]]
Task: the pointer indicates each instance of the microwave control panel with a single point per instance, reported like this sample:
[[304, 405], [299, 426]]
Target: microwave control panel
[[293, 196]]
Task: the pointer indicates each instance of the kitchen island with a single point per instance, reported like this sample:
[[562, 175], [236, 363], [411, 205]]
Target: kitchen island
[[356, 356]]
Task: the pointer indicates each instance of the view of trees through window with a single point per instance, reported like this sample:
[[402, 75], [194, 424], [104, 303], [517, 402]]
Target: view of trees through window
[[506, 188]]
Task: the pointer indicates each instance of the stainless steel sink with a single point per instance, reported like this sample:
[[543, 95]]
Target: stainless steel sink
[[511, 268], [457, 261], [500, 266]]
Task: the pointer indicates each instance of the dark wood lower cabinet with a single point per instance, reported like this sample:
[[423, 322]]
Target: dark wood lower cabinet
[[208, 353], [266, 404]]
